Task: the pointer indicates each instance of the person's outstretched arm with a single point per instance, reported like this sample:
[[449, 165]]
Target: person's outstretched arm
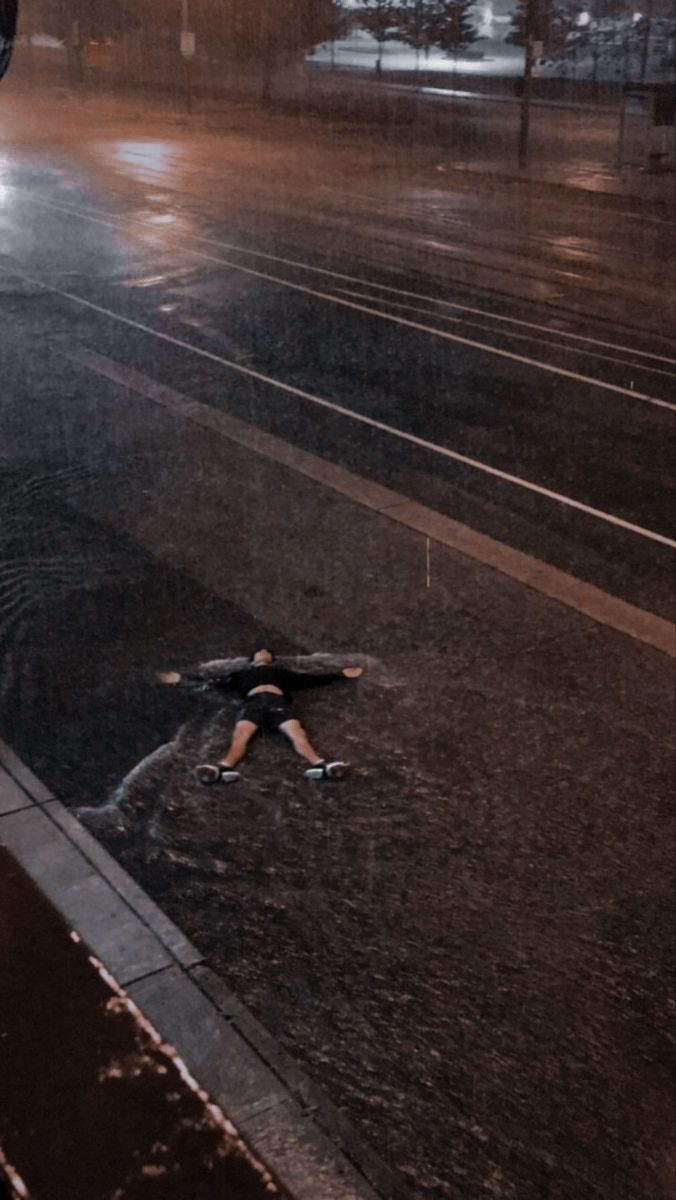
[[298, 681], [194, 680]]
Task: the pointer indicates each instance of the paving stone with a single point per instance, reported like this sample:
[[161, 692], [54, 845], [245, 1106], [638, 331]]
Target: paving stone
[[151, 915], [12, 797], [303, 1157], [13, 765], [220, 1058], [112, 931]]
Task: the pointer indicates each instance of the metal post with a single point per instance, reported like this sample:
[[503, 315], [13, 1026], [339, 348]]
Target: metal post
[[646, 40], [620, 135], [185, 26], [526, 84]]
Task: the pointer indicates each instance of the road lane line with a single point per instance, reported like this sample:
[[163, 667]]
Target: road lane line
[[290, 390], [112, 220], [418, 327], [522, 337], [540, 576], [443, 334]]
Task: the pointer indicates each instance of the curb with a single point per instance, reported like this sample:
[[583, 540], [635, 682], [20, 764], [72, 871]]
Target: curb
[[288, 1123]]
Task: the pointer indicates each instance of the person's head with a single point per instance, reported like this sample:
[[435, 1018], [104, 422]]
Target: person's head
[[262, 658]]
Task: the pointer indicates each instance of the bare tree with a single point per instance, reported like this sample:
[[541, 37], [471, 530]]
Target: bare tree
[[453, 26], [381, 18], [271, 31], [414, 26]]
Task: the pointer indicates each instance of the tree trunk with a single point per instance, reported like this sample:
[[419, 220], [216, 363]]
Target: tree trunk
[[526, 85], [268, 72], [646, 42], [75, 56]]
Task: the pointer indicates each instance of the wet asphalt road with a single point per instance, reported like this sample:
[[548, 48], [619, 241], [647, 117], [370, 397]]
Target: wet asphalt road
[[468, 944], [199, 250]]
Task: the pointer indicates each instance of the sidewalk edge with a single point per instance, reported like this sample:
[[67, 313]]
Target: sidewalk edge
[[300, 1136]]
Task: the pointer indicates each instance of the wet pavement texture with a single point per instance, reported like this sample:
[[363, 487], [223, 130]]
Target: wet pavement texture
[[87, 1081], [468, 943], [198, 267]]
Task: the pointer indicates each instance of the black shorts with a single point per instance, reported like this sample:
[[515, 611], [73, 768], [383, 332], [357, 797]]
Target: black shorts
[[266, 710]]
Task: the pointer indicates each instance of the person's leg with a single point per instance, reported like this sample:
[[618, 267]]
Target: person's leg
[[242, 735], [319, 768], [300, 741], [224, 768]]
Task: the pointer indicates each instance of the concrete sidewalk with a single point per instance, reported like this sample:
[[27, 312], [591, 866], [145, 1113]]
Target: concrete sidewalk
[[98, 988], [391, 126], [87, 1082]]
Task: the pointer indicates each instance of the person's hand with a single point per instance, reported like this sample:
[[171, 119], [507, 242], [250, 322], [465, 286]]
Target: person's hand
[[171, 677], [353, 672]]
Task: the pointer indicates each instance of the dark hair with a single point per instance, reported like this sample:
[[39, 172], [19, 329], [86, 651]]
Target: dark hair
[[257, 651]]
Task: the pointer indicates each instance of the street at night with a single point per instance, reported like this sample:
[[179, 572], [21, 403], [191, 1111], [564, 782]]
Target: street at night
[[270, 383]]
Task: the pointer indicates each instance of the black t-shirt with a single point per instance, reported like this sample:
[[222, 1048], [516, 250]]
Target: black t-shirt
[[252, 677]]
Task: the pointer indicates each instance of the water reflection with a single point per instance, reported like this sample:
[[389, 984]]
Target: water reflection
[[153, 155]]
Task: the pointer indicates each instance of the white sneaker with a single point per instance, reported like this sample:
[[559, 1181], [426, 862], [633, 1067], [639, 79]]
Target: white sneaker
[[323, 770], [208, 774]]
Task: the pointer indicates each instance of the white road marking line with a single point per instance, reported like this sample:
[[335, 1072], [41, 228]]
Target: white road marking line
[[522, 337], [112, 220], [443, 334], [434, 526], [403, 435], [404, 321]]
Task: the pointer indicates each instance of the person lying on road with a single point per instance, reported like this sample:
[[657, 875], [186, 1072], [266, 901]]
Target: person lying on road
[[266, 692]]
